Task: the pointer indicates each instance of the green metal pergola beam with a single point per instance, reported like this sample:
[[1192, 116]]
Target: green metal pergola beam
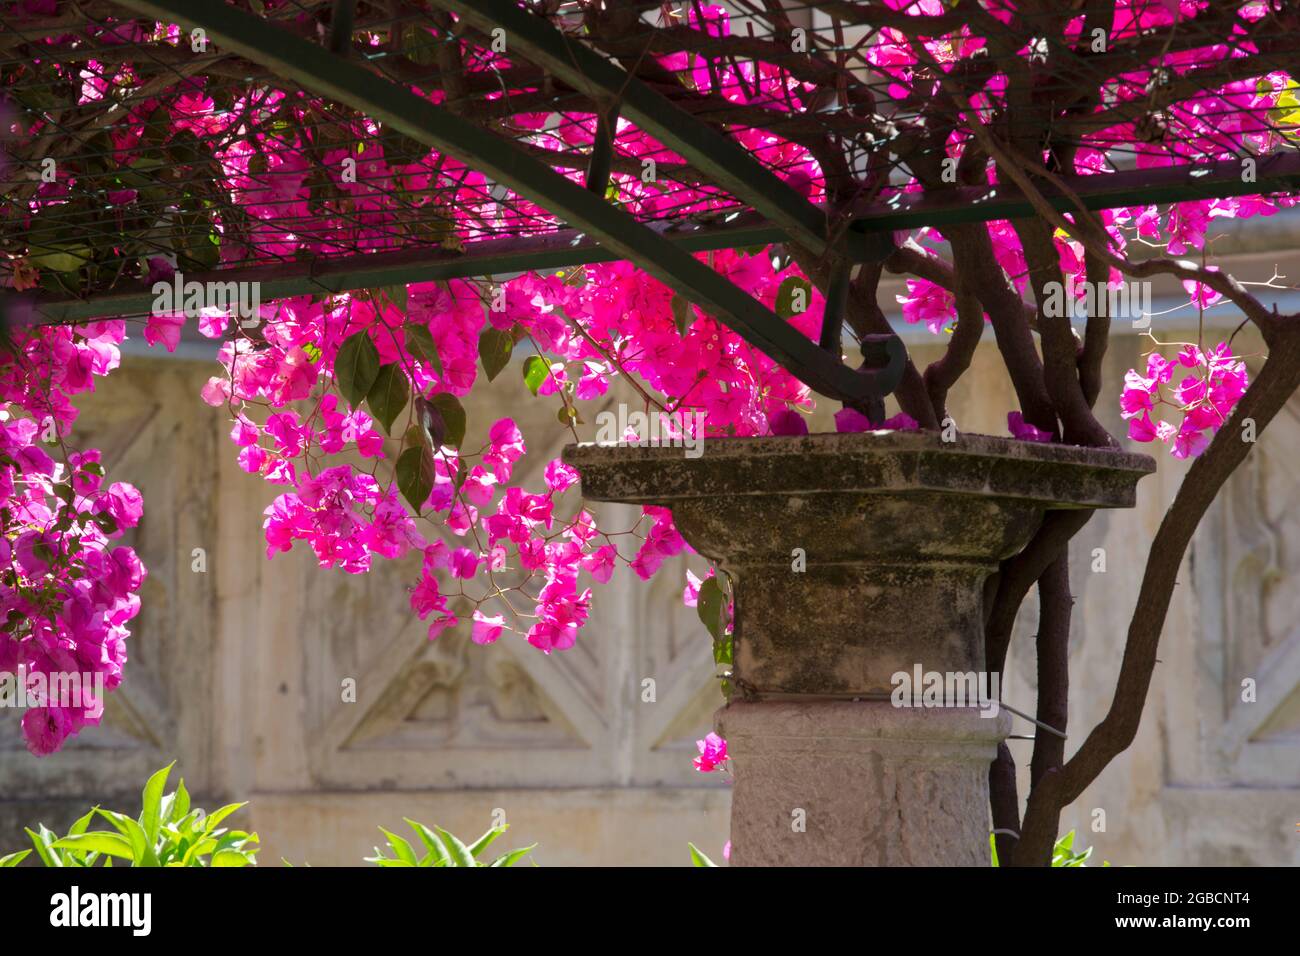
[[718, 156], [492, 257], [1276, 172], [345, 81]]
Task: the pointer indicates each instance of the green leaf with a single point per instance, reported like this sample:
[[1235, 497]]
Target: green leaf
[[57, 261], [483, 842], [151, 813], [105, 522], [166, 811], [417, 436], [81, 825], [213, 820], [712, 607], [230, 858], [494, 349], [723, 651], [181, 805], [1286, 112], [142, 850], [202, 246], [415, 476], [683, 315], [459, 852], [98, 841], [13, 859], [200, 849], [387, 396], [356, 367], [42, 841], [698, 858], [448, 406], [419, 342], [785, 296], [397, 295], [235, 840], [437, 855], [567, 415], [428, 428], [419, 45], [513, 857], [117, 819], [401, 848], [535, 372]]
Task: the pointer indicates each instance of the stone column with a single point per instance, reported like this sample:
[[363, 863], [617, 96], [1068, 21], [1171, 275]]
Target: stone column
[[855, 558]]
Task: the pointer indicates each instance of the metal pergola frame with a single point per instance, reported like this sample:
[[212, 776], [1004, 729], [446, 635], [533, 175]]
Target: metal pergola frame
[[602, 232]]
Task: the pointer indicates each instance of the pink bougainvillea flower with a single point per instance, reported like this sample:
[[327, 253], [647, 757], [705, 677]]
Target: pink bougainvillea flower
[[1024, 431], [928, 303], [1137, 394], [600, 563], [691, 593], [165, 329], [901, 422], [851, 420], [1142, 429], [713, 753], [787, 422], [486, 628], [464, 563], [560, 476], [662, 542], [216, 392], [1207, 396], [440, 624]]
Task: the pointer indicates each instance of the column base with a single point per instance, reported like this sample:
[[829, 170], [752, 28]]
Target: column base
[[859, 783]]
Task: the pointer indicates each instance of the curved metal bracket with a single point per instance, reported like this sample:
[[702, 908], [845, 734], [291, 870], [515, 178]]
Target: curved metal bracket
[[884, 359]]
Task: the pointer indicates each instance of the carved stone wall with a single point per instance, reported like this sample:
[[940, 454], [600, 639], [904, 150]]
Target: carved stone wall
[[238, 671]]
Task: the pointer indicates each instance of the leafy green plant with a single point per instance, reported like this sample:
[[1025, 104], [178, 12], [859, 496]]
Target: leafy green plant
[[444, 849], [168, 832], [698, 858], [1062, 853]]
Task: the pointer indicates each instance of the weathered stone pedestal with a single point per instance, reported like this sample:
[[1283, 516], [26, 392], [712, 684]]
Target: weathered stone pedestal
[[856, 557]]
